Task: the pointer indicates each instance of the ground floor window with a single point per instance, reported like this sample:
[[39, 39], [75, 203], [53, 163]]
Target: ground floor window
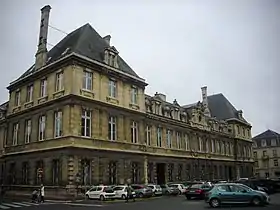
[[39, 171], [170, 172], [180, 169], [25, 173], [135, 172], [150, 172], [12, 174], [56, 171], [86, 172], [112, 172]]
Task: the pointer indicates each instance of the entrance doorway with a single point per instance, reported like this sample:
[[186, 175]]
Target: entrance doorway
[[160, 173], [230, 173]]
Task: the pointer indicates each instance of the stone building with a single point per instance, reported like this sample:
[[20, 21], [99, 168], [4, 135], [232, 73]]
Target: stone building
[[266, 147], [80, 115]]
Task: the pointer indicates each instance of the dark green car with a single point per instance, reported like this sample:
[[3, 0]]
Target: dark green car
[[233, 193]]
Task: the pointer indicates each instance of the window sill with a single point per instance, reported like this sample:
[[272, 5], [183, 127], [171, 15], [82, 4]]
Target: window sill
[[42, 99], [134, 106], [58, 93], [17, 108], [112, 100], [87, 93], [28, 104]]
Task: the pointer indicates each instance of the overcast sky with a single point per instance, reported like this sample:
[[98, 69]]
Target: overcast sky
[[178, 46]]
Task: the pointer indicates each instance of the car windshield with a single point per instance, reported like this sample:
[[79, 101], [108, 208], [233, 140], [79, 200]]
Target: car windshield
[[196, 186]]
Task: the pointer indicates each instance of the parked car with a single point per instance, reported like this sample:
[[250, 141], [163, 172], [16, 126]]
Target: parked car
[[100, 192], [142, 190], [253, 185], [197, 191], [181, 187], [167, 190], [156, 189], [234, 193], [121, 192]]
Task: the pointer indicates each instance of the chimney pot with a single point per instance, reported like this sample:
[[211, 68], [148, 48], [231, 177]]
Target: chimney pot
[[46, 8], [107, 39]]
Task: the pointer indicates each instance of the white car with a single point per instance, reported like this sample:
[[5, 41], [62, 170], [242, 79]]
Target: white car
[[121, 192], [100, 192], [181, 187], [156, 189]]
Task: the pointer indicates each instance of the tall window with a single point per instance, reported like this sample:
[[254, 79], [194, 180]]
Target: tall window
[[206, 145], [27, 131], [187, 142], [159, 136], [112, 172], [87, 80], [169, 138], [135, 173], [218, 146], [134, 95], [42, 127], [15, 134], [112, 128], [134, 132], [180, 169], [29, 96], [170, 172], [200, 144], [43, 90], [178, 139], [112, 88], [86, 123], [55, 171], [17, 98], [25, 173], [263, 143], [148, 135], [58, 124], [59, 81], [212, 145]]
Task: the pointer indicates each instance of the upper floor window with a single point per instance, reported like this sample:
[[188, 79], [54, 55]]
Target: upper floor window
[[222, 148], [273, 142], [264, 153], [134, 95], [218, 147], [169, 138], [263, 143], [112, 128], [17, 98], [42, 127], [206, 145], [148, 135], [187, 142], [58, 124], [86, 123], [200, 144], [87, 80], [274, 153], [134, 132], [43, 90], [59, 81], [255, 155], [15, 133], [27, 131], [29, 95], [159, 136], [112, 88], [212, 145], [178, 139]]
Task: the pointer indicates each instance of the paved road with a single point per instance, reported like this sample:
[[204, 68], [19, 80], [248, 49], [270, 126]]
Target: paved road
[[162, 203]]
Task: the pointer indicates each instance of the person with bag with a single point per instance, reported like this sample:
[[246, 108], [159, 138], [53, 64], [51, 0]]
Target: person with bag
[[129, 194]]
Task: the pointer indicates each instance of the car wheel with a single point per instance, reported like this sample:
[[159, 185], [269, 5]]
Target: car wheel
[[102, 198], [141, 195], [214, 203], [180, 193], [123, 197], [256, 201]]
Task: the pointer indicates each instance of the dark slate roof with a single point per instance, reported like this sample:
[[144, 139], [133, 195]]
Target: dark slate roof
[[84, 41], [220, 107], [267, 134], [4, 106]]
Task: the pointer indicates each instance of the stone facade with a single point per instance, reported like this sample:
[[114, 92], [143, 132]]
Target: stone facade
[[80, 121]]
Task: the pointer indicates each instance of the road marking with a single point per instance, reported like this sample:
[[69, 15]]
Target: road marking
[[23, 204], [4, 207], [11, 205], [28, 203], [84, 204]]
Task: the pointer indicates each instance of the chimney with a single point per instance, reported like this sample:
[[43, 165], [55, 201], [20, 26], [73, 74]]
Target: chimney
[[41, 55], [107, 39], [205, 101]]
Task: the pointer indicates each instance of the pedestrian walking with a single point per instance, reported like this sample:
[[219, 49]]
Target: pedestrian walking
[[34, 197], [42, 192], [129, 194]]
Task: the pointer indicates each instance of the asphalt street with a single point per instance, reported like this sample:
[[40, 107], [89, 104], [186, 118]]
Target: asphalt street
[[164, 203]]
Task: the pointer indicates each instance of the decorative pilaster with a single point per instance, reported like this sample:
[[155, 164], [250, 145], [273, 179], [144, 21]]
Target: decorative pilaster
[[145, 169], [154, 173], [71, 172], [95, 170]]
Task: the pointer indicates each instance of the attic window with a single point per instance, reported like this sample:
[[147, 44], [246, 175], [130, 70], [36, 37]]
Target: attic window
[[111, 58]]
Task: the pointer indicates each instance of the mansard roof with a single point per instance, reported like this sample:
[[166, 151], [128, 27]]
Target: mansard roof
[[267, 134], [84, 41]]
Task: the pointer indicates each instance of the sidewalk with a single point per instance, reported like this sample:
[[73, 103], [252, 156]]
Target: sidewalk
[[48, 197]]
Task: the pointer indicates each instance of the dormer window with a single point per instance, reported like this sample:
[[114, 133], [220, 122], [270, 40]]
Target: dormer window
[[263, 143], [111, 57]]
